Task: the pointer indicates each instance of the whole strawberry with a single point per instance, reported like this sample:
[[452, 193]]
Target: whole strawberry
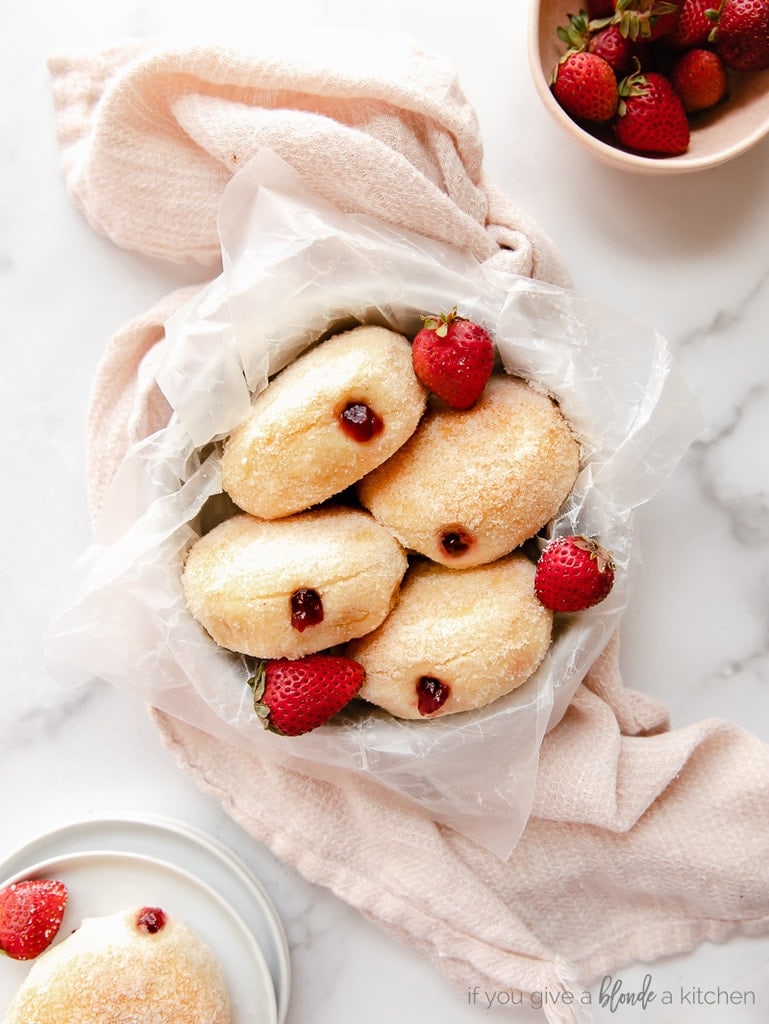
[[31, 912], [699, 77], [741, 36], [650, 116], [693, 25], [292, 697], [453, 358], [617, 50], [599, 37], [573, 573], [585, 85]]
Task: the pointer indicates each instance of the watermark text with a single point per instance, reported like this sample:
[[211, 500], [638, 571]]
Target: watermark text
[[612, 994]]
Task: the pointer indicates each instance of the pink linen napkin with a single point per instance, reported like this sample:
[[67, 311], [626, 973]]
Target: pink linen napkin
[[643, 841]]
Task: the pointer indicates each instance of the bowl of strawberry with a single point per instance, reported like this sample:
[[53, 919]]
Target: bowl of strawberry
[[655, 86]]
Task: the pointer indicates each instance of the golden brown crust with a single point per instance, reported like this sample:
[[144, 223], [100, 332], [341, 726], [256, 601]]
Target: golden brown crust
[[495, 473], [107, 972], [239, 579], [480, 631], [291, 453]]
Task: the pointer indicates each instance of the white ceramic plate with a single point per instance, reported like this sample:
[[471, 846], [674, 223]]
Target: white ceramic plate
[[111, 864]]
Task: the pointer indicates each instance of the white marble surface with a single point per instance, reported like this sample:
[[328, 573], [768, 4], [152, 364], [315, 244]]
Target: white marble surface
[[689, 256]]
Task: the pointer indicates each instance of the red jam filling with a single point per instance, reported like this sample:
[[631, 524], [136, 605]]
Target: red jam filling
[[360, 422], [306, 609], [150, 920], [432, 694], [456, 541]]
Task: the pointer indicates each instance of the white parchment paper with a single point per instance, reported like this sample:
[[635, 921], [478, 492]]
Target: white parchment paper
[[296, 268]]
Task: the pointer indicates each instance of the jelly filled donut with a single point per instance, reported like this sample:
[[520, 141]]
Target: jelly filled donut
[[137, 967], [335, 413], [456, 640], [288, 587], [469, 487]]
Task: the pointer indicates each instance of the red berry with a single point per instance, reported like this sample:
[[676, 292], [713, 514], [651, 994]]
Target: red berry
[[585, 86], [573, 573], [617, 50], [292, 697], [742, 34], [651, 117], [453, 358], [699, 77], [692, 26], [30, 916]]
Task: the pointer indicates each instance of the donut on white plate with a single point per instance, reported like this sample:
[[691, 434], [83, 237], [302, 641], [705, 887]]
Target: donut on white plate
[[141, 966]]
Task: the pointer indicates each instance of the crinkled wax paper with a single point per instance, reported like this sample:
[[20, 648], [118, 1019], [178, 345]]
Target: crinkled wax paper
[[295, 268]]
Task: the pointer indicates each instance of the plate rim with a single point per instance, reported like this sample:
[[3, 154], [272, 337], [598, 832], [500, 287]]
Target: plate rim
[[59, 864], [179, 830]]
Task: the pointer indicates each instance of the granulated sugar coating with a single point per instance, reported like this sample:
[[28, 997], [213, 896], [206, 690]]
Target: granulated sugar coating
[[468, 637], [469, 487], [241, 579], [111, 971], [331, 416]]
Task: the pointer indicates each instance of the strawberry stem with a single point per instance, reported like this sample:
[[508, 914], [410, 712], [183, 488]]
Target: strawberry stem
[[576, 34], [441, 323], [634, 84], [596, 552], [636, 20], [258, 682]]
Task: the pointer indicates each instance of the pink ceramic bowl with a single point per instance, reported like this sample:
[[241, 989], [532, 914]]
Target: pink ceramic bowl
[[717, 135]]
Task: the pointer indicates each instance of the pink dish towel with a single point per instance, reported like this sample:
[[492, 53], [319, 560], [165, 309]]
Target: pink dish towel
[[643, 841]]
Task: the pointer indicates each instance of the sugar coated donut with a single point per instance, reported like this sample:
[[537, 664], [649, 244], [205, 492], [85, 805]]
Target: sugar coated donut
[[288, 587], [469, 487], [456, 640], [334, 414], [118, 970]]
